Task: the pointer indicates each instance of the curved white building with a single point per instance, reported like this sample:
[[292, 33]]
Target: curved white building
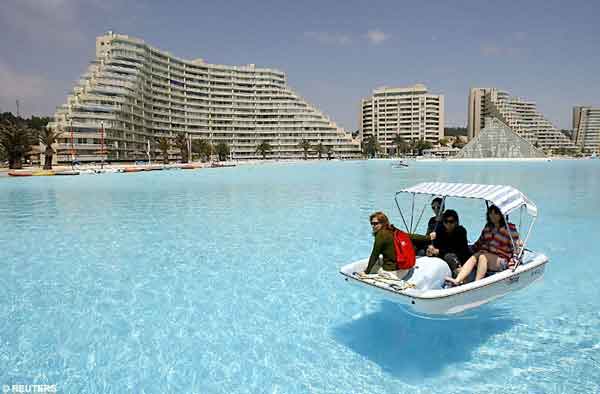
[[133, 93]]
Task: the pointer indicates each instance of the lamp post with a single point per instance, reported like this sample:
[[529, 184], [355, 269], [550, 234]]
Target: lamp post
[[72, 145], [148, 153]]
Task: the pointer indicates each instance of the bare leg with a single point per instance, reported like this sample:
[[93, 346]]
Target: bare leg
[[487, 262], [464, 271], [482, 265]]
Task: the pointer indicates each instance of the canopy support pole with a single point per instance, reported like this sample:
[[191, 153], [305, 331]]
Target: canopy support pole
[[412, 213], [520, 257], [400, 211], [420, 216]]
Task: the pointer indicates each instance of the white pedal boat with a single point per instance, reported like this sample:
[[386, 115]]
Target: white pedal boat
[[423, 291]]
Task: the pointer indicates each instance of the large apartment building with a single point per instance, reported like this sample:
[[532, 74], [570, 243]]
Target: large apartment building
[[133, 93], [586, 129], [410, 112], [520, 115]]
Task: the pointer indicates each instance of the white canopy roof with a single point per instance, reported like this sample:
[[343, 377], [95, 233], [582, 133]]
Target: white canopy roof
[[507, 198]]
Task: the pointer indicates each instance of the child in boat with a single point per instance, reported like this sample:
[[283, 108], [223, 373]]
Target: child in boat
[[494, 250], [450, 242], [422, 241], [383, 245]]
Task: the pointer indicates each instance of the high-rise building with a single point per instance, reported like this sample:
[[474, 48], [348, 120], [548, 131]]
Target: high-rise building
[[520, 115], [586, 129], [410, 112], [133, 93]]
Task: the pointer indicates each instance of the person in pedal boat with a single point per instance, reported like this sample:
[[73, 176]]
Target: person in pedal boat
[[421, 242], [494, 250], [383, 245], [450, 243]]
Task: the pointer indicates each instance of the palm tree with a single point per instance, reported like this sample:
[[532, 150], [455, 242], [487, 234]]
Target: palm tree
[[263, 148], [181, 142], [204, 148], [164, 144], [371, 146], [48, 137], [16, 140], [401, 145], [305, 145], [223, 151], [320, 149]]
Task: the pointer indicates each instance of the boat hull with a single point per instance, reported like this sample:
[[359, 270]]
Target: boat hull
[[457, 299]]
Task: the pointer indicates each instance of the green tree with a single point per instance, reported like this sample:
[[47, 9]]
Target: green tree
[[319, 149], [204, 148], [181, 142], [16, 139], [421, 145], [444, 141], [371, 146], [400, 143], [48, 137], [164, 144], [223, 151], [305, 145], [263, 148], [38, 122]]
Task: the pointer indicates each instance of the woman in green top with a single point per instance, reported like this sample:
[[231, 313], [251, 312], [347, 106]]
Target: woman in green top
[[383, 245]]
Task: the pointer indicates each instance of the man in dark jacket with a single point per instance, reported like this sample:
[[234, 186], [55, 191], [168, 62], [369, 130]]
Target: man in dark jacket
[[450, 242]]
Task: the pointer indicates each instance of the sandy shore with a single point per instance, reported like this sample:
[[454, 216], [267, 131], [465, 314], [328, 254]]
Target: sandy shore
[[120, 166]]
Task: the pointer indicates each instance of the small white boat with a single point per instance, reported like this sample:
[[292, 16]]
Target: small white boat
[[400, 164], [423, 290]]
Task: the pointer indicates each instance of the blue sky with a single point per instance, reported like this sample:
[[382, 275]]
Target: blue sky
[[334, 53]]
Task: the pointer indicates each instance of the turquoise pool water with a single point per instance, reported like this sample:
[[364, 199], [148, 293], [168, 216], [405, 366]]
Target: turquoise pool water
[[226, 281]]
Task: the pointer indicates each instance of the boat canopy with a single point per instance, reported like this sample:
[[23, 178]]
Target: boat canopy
[[506, 198]]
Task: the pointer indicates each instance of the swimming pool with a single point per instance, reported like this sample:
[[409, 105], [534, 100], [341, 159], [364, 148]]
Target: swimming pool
[[226, 281]]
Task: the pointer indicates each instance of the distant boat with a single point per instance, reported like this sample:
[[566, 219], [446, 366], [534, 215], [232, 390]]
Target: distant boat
[[20, 173], [400, 163], [218, 165], [67, 172]]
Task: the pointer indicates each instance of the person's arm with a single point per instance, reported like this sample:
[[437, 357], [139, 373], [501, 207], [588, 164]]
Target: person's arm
[[435, 249], [377, 250], [477, 245], [516, 247]]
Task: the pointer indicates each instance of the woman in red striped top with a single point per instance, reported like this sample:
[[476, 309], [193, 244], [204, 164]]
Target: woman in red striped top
[[494, 250]]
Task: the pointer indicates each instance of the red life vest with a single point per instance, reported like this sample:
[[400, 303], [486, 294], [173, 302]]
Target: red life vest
[[405, 253]]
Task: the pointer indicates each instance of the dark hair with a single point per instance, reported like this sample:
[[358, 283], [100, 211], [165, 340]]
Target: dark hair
[[439, 200], [450, 213], [497, 210]]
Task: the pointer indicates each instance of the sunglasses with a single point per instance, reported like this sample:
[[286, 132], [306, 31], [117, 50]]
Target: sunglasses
[[450, 221], [375, 223]]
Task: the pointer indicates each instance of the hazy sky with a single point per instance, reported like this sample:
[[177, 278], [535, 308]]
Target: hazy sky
[[334, 53]]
